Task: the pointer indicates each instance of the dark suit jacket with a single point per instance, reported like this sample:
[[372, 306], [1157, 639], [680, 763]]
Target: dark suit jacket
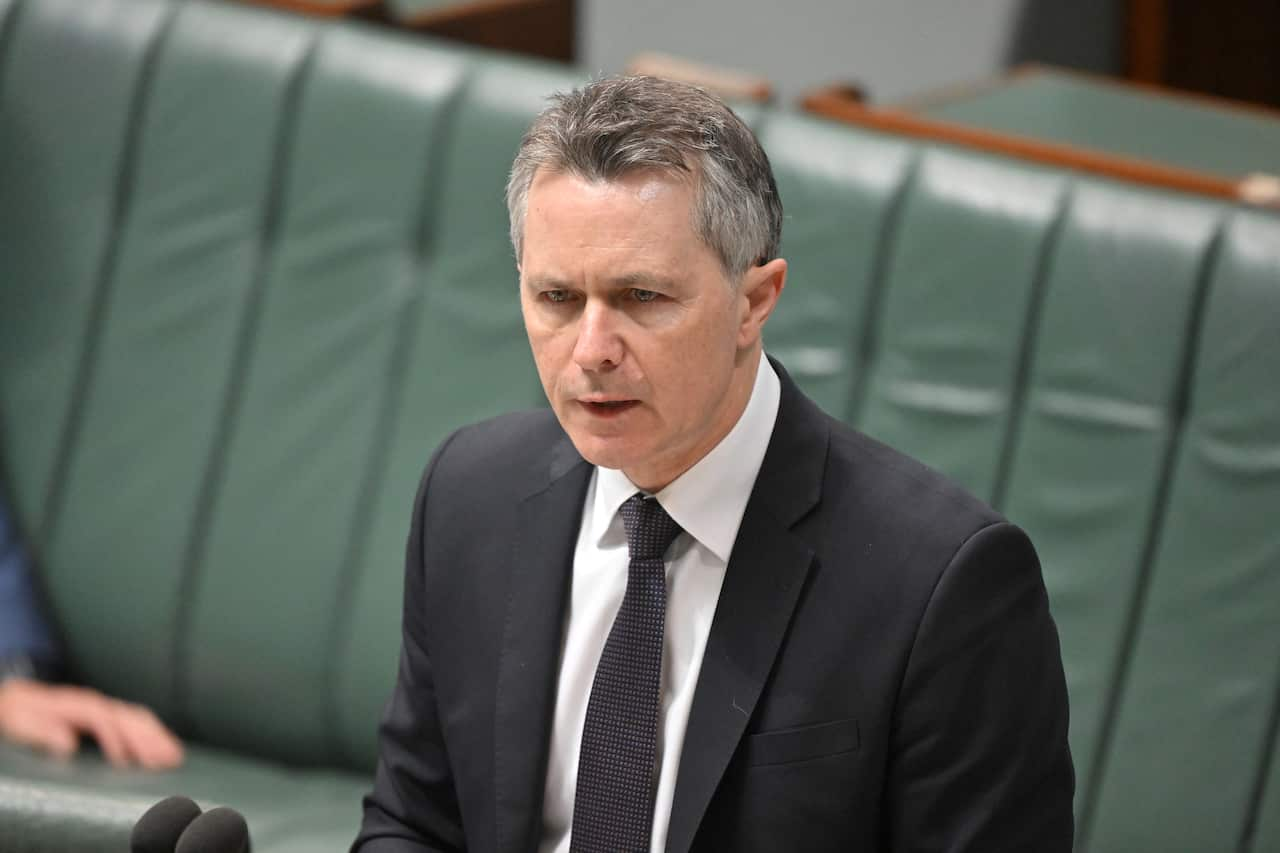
[[882, 672]]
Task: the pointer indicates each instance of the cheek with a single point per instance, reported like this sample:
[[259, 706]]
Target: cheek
[[544, 361], [547, 346], [698, 369]]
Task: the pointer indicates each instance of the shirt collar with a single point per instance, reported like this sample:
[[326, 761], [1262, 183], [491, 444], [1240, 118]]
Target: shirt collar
[[709, 499]]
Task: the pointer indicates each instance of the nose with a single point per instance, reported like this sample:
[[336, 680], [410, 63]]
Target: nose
[[598, 348]]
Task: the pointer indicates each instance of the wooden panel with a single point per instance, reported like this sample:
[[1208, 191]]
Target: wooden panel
[[543, 28], [1224, 49]]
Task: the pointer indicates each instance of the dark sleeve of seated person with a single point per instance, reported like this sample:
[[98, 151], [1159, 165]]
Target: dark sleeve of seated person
[[49, 717]]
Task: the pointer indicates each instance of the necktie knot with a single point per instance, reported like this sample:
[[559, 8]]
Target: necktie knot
[[650, 531]]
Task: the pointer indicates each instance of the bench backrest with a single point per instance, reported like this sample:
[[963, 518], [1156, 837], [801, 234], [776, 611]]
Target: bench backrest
[[253, 268]]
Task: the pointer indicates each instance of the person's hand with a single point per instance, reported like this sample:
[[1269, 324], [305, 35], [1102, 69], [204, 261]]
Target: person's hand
[[53, 717]]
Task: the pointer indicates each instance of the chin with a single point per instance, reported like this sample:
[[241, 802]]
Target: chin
[[600, 453], [607, 452]]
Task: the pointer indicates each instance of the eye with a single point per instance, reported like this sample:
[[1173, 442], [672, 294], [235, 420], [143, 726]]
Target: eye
[[644, 295], [556, 297]]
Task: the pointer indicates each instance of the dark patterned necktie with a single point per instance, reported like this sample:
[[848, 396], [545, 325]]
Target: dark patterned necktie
[[613, 804]]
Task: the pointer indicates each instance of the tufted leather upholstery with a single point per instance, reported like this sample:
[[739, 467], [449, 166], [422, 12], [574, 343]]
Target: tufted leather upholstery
[[255, 267]]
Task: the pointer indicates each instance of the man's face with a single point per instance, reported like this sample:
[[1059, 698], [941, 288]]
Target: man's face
[[646, 351]]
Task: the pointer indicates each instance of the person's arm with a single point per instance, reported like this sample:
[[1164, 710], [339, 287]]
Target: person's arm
[[980, 762], [50, 717], [413, 807]]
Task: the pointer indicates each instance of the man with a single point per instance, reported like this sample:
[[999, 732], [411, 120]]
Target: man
[[52, 717], [686, 610]]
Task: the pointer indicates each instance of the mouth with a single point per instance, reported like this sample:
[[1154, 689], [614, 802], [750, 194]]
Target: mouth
[[607, 408]]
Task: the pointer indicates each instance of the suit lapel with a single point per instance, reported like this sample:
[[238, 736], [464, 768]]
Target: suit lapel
[[762, 585], [541, 563]]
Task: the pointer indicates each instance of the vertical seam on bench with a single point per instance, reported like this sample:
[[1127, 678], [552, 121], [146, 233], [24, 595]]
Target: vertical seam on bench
[[866, 338], [232, 397], [1180, 412], [1270, 743], [8, 26], [105, 281], [1027, 348], [422, 238]]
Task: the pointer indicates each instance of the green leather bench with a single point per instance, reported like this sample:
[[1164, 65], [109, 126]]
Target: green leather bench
[[254, 267]]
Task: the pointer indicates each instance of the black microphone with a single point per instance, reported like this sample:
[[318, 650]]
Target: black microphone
[[160, 826], [220, 830]]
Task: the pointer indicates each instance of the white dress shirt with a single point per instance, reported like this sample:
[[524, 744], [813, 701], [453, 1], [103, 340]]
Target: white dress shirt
[[707, 501]]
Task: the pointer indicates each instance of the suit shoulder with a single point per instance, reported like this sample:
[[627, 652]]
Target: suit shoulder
[[510, 448], [902, 493], [895, 531]]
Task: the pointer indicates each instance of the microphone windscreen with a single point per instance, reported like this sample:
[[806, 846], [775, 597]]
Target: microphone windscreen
[[220, 830], [160, 826]]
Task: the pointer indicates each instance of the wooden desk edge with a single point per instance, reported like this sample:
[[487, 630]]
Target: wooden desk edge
[[1127, 169]]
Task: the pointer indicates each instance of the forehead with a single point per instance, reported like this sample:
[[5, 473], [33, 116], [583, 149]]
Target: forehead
[[566, 211]]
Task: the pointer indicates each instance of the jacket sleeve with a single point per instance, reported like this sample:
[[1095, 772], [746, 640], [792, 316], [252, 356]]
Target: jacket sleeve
[[413, 807], [979, 757]]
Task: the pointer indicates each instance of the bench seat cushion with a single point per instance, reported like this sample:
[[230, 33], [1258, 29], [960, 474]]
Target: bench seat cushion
[[84, 805]]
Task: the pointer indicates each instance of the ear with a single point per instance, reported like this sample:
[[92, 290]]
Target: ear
[[761, 287]]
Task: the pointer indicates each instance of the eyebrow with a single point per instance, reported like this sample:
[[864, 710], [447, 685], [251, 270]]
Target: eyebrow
[[639, 279], [643, 280]]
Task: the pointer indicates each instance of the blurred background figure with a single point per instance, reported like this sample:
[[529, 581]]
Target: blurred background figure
[[35, 711]]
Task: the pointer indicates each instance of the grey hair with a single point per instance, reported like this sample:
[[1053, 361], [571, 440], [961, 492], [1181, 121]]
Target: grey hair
[[619, 125]]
